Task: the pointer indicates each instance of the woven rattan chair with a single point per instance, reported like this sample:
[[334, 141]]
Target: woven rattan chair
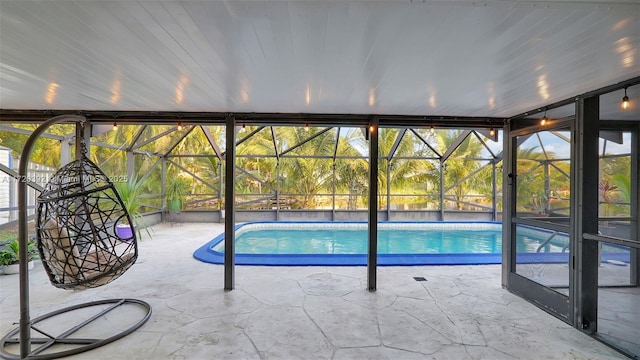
[[77, 215]]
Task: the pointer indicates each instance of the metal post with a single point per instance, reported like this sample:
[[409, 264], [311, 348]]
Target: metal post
[[65, 151], [547, 187], [333, 196], [441, 199], [220, 187], [509, 145], [372, 253], [335, 154], [634, 261], [25, 320], [229, 199], [130, 164], [389, 190], [78, 142], [12, 195], [494, 193], [585, 215], [278, 189], [163, 187]]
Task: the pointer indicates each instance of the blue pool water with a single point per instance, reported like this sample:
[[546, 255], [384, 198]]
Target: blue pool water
[[354, 241], [436, 243]]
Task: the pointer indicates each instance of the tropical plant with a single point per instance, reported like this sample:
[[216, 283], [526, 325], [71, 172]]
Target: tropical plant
[[460, 166], [352, 175], [396, 171], [11, 255], [310, 174], [532, 196], [177, 189], [7, 258], [623, 186], [256, 156], [132, 192], [540, 202], [607, 191]]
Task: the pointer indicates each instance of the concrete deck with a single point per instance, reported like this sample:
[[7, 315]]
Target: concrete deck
[[460, 312]]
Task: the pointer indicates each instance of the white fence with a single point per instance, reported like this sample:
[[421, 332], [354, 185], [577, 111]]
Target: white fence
[[36, 173]]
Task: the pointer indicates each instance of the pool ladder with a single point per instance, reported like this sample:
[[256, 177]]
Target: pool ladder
[[564, 249], [548, 240]]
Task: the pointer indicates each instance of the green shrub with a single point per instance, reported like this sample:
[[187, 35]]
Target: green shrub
[[12, 253]]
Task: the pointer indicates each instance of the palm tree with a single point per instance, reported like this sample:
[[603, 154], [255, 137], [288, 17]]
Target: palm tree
[[352, 174], [403, 175], [458, 181], [307, 173], [256, 156]]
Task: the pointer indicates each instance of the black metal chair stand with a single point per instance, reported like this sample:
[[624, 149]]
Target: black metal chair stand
[[46, 343]]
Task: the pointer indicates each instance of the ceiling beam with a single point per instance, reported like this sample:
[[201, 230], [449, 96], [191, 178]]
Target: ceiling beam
[[271, 119]]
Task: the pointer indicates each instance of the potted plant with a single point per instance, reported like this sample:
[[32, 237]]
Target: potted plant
[[177, 188], [131, 192], [10, 257]]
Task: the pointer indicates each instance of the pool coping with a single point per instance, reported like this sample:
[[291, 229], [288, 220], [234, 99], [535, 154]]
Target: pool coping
[[206, 253]]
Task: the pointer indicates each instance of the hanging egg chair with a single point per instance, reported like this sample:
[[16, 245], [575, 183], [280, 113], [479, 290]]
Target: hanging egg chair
[[76, 228], [78, 211]]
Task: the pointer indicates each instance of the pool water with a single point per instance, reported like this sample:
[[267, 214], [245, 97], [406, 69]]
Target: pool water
[[419, 243], [354, 241]]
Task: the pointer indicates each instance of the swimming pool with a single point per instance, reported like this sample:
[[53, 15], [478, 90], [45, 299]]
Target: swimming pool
[[399, 243]]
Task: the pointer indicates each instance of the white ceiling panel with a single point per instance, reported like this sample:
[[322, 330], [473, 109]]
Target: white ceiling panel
[[450, 58]]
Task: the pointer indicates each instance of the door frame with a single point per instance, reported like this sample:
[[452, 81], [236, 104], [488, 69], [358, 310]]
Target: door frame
[[553, 302]]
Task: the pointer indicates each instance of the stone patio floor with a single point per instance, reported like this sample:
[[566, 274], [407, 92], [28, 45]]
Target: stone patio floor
[[459, 312]]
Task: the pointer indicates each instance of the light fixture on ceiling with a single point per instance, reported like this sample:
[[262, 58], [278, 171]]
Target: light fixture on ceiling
[[492, 132], [306, 126], [625, 100], [544, 119], [115, 126], [432, 129], [179, 125]]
